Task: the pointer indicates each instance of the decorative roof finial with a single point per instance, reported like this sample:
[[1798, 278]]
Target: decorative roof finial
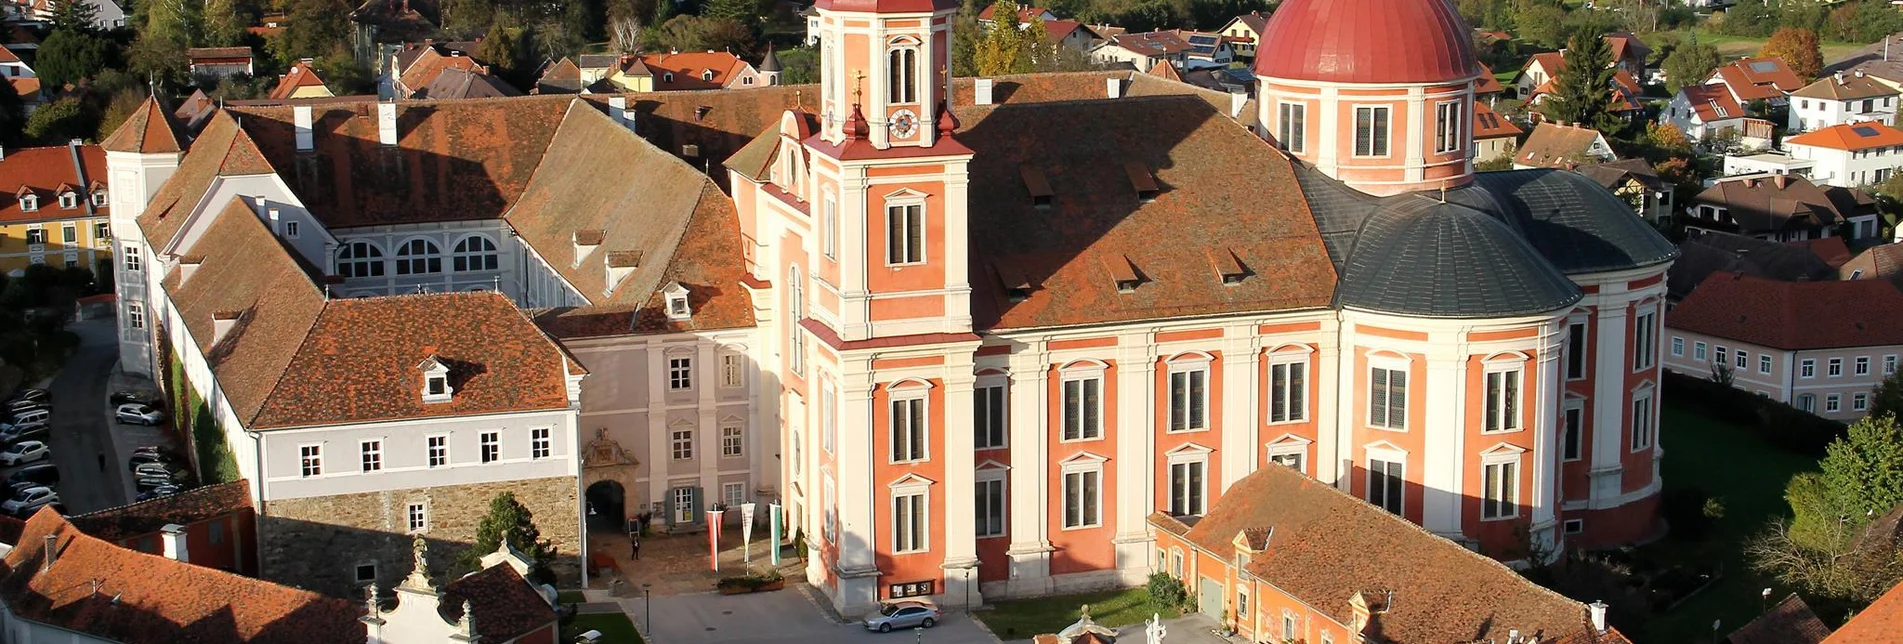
[[466, 625], [419, 568], [858, 86]]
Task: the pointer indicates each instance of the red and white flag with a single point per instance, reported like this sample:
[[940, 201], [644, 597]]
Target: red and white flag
[[713, 537]]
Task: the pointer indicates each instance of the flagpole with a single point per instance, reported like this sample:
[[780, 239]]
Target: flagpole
[[773, 520]]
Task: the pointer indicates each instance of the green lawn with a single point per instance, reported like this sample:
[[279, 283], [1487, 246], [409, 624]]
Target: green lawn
[[1730, 47], [1027, 618], [1749, 475], [615, 628]]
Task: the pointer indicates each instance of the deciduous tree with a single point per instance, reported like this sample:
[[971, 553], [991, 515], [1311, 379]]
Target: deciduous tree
[[1798, 48], [1690, 64], [508, 520], [1889, 393]]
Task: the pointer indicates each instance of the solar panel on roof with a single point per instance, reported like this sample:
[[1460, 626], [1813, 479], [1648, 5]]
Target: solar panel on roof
[[1864, 130], [1764, 66]]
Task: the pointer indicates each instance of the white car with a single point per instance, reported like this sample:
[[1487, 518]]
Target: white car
[[32, 497], [139, 414], [24, 452]]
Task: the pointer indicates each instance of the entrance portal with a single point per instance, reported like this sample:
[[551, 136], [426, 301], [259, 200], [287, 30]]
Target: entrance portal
[[607, 507]]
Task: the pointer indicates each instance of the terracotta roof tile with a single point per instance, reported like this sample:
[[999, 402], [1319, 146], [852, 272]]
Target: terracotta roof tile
[[1785, 315], [424, 70], [1879, 623], [562, 77], [1775, 204], [459, 84], [1832, 250], [41, 171], [1557, 146], [147, 517], [27, 88], [197, 54], [115, 594], [1845, 87], [300, 75], [1759, 78], [505, 604], [1490, 125], [1488, 83], [1789, 622], [688, 69], [149, 130], [221, 149], [1876, 262], [1325, 546], [1850, 136]]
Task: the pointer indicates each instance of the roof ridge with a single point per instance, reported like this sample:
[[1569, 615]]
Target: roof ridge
[[200, 490]]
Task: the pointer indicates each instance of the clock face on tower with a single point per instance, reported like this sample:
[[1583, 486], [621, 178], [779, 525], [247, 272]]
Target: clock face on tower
[[904, 124]]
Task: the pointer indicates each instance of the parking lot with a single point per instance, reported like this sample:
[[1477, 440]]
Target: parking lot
[[86, 445]]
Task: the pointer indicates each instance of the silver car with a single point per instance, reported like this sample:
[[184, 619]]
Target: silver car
[[902, 615]]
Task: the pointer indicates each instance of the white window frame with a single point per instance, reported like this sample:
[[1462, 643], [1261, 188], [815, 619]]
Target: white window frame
[[1698, 351], [429, 257], [899, 224], [360, 258], [1644, 329], [474, 253], [431, 447], [370, 455], [1570, 432], [917, 536], [416, 517], [1083, 467], [1448, 126], [1392, 456], [1509, 488], [1195, 499], [1644, 431], [828, 415], [733, 493], [1889, 365], [732, 372], [1860, 366], [1189, 367], [490, 447], [1741, 360], [1294, 397], [1393, 365], [310, 457], [902, 58], [1833, 403], [134, 262], [1834, 367], [1289, 445], [829, 227], [1807, 368], [135, 315], [1292, 126], [733, 441], [988, 477], [1678, 347], [541, 443], [681, 443], [796, 308], [1384, 135], [1081, 372], [1509, 416], [1860, 401], [983, 403], [1764, 363], [917, 444], [680, 373]]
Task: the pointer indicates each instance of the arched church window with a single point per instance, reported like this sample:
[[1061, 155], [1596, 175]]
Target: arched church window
[[419, 256], [359, 259]]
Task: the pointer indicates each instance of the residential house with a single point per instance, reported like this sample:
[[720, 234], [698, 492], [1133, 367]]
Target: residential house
[[1221, 79], [1629, 53], [1790, 621], [1841, 100], [560, 77], [1701, 111], [1819, 346], [1878, 622], [1850, 156], [1625, 87], [1881, 60], [1782, 208], [12, 67], [24, 81], [1537, 71], [1026, 14], [1244, 32], [1635, 181], [1495, 137], [107, 15], [457, 83], [1883, 261], [1765, 162], [19, 39], [1070, 34], [1266, 561], [1706, 253], [1834, 251], [54, 208], [684, 71], [1206, 49], [301, 81], [212, 526], [220, 62], [191, 113], [1487, 88], [1142, 51], [598, 67], [811, 15], [1766, 79], [413, 68], [1562, 146], [1628, 56]]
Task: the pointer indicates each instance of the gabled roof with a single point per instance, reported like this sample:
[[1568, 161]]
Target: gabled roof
[[1793, 315], [1550, 62], [185, 508], [1488, 83], [1058, 30], [27, 88], [506, 606], [562, 77], [1626, 46], [1327, 546], [115, 594], [42, 171], [149, 130], [1789, 622], [1850, 137], [1712, 252], [218, 54], [1256, 21], [192, 113], [221, 149], [688, 69], [1712, 102], [1153, 43], [1490, 125], [1764, 204], [1759, 78], [430, 64], [300, 75], [457, 84], [1845, 87], [1879, 623], [1877, 262], [1553, 145], [1832, 250]]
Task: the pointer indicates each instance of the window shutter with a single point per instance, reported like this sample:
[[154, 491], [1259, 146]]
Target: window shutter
[[699, 507]]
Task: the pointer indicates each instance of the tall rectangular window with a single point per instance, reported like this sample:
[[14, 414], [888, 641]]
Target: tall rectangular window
[[828, 416], [908, 429], [1576, 351], [1641, 423], [1764, 363], [1861, 366], [311, 459], [680, 373], [1447, 127], [1698, 351], [372, 455], [1292, 128], [991, 507], [681, 443], [1385, 483], [1644, 346], [908, 522], [732, 442], [1288, 392], [1834, 367], [829, 228], [491, 447], [1503, 401], [69, 234], [1742, 359], [1387, 398], [130, 254], [988, 412], [902, 81], [1188, 400], [135, 315], [1371, 131], [1081, 499], [1186, 488], [1082, 407], [731, 377], [1832, 403], [1807, 368], [1572, 436], [438, 451], [1889, 365], [904, 234], [419, 517], [1678, 347], [1500, 490], [539, 444]]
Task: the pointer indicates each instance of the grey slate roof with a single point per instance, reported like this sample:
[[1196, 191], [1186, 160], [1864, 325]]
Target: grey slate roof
[[1712, 252], [1420, 256], [1574, 222]]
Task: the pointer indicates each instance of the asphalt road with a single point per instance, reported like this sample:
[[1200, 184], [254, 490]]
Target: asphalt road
[[80, 431]]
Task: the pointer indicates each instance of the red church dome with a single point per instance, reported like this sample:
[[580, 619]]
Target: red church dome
[[1366, 41]]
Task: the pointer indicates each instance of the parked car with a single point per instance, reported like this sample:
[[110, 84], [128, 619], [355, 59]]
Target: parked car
[[159, 492], [139, 458], [139, 414], [147, 397], [39, 395], [151, 475], [42, 475], [24, 452], [18, 406], [25, 431], [31, 416], [902, 615], [32, 497]]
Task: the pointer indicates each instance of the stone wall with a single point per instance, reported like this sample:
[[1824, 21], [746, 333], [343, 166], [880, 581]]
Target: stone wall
[[317, 543]]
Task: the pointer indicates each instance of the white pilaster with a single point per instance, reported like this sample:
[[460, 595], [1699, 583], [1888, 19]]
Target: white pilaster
[[1445, 430], [1136, 458], [658, 454], [1241, 442], [1030, 548], [1608, 395], [858, 492], [961, 529]]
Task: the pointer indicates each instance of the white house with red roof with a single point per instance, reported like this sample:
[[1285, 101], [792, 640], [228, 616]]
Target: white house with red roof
[[1840, 99], [1703, 110], [1757, 79], [1852, 155], [1244, 33], [1143, 51]]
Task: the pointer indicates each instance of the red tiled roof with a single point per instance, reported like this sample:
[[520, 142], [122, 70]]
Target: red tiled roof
[[505, 605], [1850, 136], [1789, 622], [1490, 125], [42, 171], [104, 591], [218, 54], [300, 75], [689, 68], [27, 88], [1885, 262], [6, 56], [1550, 61], [221, 149], [1712, 102], [1832, 250], [1625, 46], [1557, 146], [1058, 30], [184, 508], [1325, 546], [1759, 78], [1487, 83], [430, 64], [1793, 315], [1879, 623], [1366, 41], [149, 130]]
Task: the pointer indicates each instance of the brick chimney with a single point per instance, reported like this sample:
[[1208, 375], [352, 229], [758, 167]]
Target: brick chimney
[[173, 538]]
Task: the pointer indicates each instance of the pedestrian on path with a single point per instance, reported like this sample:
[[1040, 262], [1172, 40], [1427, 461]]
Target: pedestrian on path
[[102, 461], [635, 544]]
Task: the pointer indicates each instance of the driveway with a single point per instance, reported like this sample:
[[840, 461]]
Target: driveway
[[80, 431], [780, 616], [1194, 628]]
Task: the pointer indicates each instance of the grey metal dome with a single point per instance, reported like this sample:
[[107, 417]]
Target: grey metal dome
[[1424, 257]]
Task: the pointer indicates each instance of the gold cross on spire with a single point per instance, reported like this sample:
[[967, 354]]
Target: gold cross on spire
[[858, 85]]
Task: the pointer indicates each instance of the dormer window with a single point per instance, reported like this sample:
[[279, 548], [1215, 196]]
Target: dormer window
[[436, 387], [1124, 272], [707, 75], [99, 197], [29, 202], [68, 200], [1142, 181], [667, 77], [1038, 186], [677, 306]]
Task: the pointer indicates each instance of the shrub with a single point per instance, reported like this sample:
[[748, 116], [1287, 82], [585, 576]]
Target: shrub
[[1685, 510], [1166, 590], [1787, 427]]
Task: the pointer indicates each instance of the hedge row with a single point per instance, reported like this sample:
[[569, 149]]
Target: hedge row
[[1787, 427]]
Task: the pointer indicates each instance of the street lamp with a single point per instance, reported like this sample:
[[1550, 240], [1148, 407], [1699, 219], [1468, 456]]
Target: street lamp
[[647, 606]]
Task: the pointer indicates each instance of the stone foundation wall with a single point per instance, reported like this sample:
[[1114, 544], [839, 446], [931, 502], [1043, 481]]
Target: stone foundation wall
[[317, 543]]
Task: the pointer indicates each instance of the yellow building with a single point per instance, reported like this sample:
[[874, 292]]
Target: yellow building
[[54, 208]]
